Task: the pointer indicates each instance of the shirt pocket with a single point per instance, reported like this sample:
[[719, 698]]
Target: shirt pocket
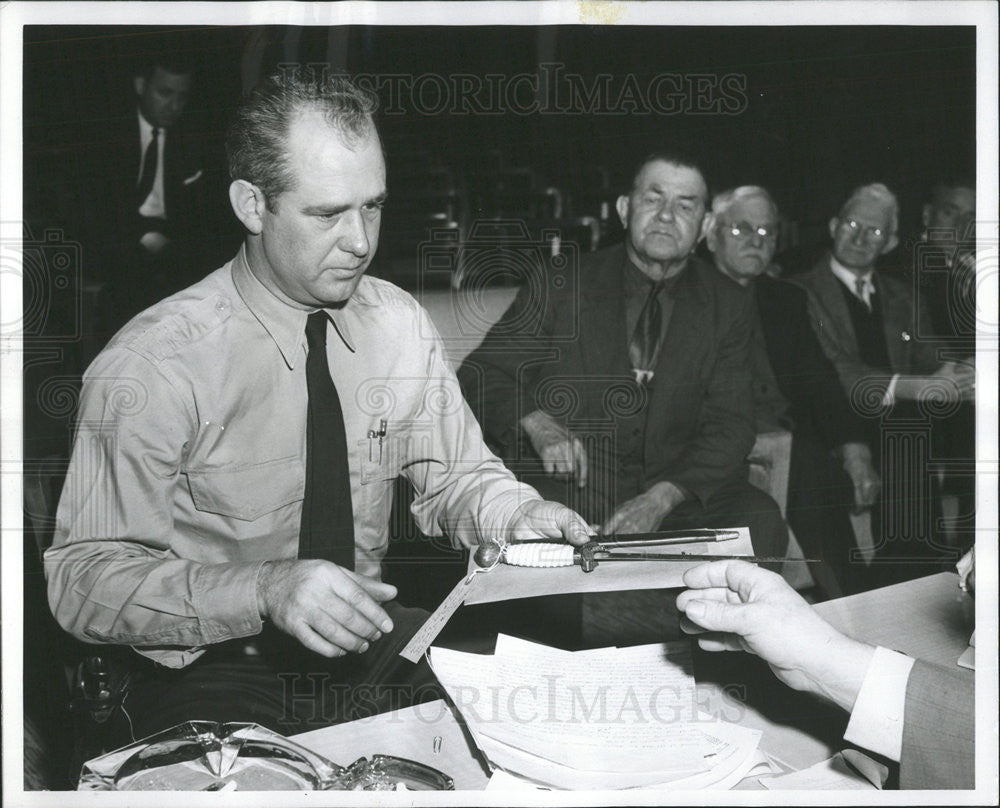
[[381, 463], [247, 492]]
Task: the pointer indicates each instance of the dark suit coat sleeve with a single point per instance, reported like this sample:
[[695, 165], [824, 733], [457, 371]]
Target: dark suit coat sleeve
[[716, 453], [497, 377], [938, 748], [805, 375]]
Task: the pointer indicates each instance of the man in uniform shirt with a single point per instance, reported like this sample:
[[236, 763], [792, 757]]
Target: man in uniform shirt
[[226, 506]]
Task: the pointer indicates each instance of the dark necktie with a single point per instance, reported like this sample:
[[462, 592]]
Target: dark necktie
[[327, 529], [859, 289], [646, 337], [149, 160]]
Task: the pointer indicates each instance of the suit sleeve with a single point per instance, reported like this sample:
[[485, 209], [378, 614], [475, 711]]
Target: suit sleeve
[[938, 729], [726, 429], [856, 377], [814, 386], [498, 377]]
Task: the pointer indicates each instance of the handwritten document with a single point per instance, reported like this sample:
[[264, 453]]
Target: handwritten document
[[605, 718]]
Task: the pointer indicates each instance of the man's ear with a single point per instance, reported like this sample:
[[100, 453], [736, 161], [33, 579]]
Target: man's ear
[[834, 224], [621, 205], [139, 82], [248, 205], [708, 231], [926, 215]]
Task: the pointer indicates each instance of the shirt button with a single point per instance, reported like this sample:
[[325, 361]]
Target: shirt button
[[221, 305]]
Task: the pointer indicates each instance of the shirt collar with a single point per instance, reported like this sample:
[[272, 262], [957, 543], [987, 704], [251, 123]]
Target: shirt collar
[[145, 127], [638, 282], [285, 324], [849, 278]]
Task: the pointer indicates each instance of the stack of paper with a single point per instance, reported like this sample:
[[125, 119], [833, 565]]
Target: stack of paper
[[605, 719]]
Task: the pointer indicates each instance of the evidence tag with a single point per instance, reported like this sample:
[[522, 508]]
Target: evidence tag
[[422, 639]]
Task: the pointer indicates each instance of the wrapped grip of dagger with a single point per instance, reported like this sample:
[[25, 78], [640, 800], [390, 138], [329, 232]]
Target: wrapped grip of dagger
[[552, 554]]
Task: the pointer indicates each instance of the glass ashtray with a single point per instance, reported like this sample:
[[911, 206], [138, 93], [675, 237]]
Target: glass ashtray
[[205, 756]]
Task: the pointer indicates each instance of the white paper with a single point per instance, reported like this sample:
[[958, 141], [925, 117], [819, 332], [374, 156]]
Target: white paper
[[607, 718]]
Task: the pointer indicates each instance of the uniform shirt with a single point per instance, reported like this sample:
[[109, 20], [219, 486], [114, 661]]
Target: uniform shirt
[[188, 465]]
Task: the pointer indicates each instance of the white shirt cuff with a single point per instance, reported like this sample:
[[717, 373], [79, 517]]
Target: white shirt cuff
[[890, 392], [877, 718]]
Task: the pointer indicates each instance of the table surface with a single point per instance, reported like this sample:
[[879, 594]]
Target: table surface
[[929, 618]]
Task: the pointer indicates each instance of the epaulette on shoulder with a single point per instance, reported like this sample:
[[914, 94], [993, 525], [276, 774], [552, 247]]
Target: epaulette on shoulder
[[173, 325], [380, 292]]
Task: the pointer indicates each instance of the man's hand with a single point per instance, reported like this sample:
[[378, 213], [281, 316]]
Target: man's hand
[[857, 460], [755, 610], [949, 384], [154, 242], [328, 609], [644, 513], [560, 452], [542, 519]]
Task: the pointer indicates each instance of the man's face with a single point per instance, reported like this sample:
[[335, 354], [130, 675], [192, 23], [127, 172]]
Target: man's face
[[320, 235], [862, 233], [948, 217], [663, 213], [739, 249], [163, 96]]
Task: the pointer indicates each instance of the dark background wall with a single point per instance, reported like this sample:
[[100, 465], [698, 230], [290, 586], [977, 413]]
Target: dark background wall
[[810, 111]]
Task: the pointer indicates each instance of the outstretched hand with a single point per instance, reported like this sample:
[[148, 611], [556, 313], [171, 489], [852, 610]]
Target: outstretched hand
[[747, 608]]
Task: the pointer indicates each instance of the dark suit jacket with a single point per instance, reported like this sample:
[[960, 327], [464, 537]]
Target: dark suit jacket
[[805, 375], [938, 729], [562, 347], [831, 320], [105, 170]]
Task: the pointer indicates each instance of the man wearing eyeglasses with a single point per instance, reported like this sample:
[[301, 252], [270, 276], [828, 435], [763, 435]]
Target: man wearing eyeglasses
[[796, 388], [868, 325]]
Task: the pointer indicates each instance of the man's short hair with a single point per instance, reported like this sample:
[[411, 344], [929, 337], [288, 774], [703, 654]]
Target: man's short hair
[[880, 193], [256, 143], [946, 185], [677, 157], [724, 200]]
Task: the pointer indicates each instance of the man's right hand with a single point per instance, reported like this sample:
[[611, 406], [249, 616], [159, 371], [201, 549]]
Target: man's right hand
[[330, 610], [560, 452], [750, 609]]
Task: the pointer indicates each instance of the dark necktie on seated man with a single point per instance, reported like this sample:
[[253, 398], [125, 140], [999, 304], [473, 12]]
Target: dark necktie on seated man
[[644, 345], [148, 175], [327, 528]]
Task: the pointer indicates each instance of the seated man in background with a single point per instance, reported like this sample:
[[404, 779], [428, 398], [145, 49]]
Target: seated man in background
[[796, 388], [226, 508], [914, 712], [629, 380], [944, 268], [867, 323]]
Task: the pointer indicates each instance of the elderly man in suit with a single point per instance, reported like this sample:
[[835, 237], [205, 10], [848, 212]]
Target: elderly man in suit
[[867, 323], [796, 388], [624, 391]]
